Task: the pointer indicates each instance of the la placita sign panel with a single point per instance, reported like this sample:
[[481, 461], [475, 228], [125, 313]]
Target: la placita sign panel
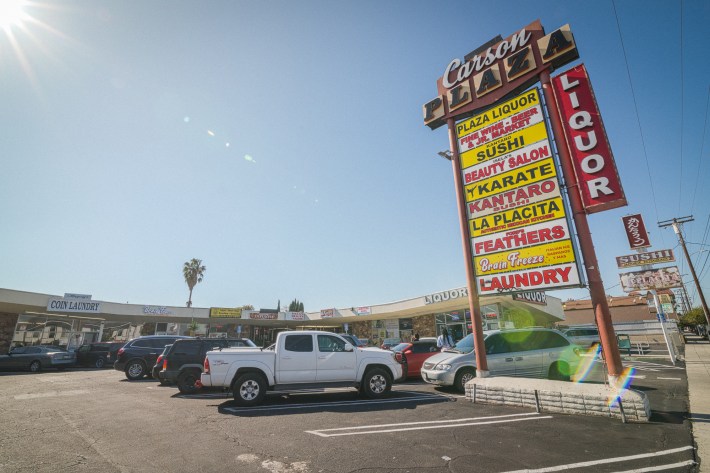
[[517, 220]]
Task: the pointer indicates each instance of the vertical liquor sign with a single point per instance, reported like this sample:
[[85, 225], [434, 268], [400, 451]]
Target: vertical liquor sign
[[520, 235]]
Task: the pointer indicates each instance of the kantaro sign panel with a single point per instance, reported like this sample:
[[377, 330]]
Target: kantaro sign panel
[[517, 220]]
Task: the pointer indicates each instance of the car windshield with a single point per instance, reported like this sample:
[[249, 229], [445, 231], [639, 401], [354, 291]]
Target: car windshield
[[465, 345], [400, 347]]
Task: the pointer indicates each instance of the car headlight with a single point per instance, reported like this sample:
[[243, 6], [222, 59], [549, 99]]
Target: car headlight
[[442, 367]]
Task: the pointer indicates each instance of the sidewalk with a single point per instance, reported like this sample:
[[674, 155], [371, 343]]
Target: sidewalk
[[697, 364]]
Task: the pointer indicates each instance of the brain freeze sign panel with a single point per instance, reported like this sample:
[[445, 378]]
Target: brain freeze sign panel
[[517, 220]]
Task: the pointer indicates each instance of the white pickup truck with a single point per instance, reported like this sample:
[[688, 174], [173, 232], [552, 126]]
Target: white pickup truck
[[301, 360]]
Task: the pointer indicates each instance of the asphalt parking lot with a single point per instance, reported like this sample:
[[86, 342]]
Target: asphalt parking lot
[[96, 420]]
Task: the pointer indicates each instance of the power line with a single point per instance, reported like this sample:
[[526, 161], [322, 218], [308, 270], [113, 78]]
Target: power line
[[702, 148], [682, 103], [636, 109]]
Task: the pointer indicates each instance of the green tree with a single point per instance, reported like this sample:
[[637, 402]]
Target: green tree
[[194, 272], [295, 306], [694, 317]]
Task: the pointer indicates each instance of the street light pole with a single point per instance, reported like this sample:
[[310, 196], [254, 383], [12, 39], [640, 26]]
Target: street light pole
[[675, 223]]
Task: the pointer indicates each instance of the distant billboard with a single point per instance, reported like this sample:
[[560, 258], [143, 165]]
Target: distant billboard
[[642, 259], [654, 279], [636, 231]]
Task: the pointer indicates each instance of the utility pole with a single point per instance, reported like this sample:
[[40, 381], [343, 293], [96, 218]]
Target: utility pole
[[676, 223]]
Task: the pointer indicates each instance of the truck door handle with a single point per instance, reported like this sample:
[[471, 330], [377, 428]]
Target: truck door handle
[[286, 358], [508, 359], [519, 358], [322, 357]]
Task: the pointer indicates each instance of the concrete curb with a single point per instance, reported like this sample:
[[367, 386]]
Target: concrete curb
[[560, 396]]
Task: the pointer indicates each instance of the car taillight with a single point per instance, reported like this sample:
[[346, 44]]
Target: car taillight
[[120, 352], [165, 364], [207, 366], [160, 358]]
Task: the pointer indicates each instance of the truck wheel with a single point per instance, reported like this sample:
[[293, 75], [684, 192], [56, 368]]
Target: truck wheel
[[249, 389], [99, 363], [463, 377], [35, 366], [186, 381], [135, 370], [376, 383]]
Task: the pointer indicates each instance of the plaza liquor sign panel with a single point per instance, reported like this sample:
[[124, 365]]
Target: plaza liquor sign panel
[[517, 220], [498, 69]]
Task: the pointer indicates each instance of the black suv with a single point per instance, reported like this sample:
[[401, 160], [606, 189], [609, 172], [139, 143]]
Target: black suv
[[138, 356], [97, 354], [182, 364]]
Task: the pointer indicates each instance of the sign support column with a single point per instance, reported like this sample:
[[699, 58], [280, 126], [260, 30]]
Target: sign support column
[[473, 303], [600, 305]]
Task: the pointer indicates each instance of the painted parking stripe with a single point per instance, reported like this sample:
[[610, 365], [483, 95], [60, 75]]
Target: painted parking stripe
[[437, 424], [670, 466], [570, 466], [674, 379], [420, 398], [75, 392]]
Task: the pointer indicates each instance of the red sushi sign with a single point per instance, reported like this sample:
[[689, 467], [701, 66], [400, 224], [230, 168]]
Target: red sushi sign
[[599, 183]]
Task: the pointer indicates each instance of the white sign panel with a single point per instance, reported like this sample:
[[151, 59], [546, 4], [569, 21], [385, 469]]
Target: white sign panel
[[62, 305]]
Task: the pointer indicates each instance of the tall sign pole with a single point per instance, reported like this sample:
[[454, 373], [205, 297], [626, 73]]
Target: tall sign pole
[[602, 314], [676, 222], [473, 304]]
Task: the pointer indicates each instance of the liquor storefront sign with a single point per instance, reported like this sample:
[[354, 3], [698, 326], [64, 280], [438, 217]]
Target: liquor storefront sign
[[517, 219]]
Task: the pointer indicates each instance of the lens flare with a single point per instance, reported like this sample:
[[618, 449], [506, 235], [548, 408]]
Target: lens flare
[[622, 385], [585, 366], [12, 13]]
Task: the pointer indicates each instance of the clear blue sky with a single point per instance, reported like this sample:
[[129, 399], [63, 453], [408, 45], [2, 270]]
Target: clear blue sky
[[283, 143]]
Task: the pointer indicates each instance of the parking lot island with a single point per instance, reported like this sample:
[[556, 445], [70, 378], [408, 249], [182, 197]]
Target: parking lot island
[[561, 396]]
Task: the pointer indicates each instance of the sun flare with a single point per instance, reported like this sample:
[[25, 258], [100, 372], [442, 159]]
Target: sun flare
[[12, 13]]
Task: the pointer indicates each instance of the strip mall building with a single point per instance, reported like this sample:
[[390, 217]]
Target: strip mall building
[[72, 320]]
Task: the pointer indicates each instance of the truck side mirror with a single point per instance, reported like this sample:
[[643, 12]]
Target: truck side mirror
[[348, 347]]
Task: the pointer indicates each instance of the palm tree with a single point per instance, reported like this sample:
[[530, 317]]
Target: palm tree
[[193, 271]]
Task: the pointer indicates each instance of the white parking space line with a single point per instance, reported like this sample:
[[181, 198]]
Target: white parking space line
[[670, 466], [674, 379], [570, 466], [51, 394], [420, 397], [426, 425]]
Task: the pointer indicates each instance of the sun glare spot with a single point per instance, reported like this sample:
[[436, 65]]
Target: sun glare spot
[[12, 13], [248, 157], [210, 132]]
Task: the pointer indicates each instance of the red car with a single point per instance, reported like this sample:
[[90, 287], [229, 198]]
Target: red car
[[414, 354]]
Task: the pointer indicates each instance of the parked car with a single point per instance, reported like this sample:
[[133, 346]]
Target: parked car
[[583, 336], [529, 353], [159, 365], [97, 355], [138, 356], [353, 340], [36, 358], [182, 363], [388, 343], [414, 354]]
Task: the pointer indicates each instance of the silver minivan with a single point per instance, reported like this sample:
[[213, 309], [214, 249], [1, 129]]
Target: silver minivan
[[528, 353]]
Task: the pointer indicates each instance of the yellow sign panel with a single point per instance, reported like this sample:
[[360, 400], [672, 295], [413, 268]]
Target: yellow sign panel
[[510, 180], [226, 312], [499, 112], [504, 145], [544, 211], [525, 258]]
